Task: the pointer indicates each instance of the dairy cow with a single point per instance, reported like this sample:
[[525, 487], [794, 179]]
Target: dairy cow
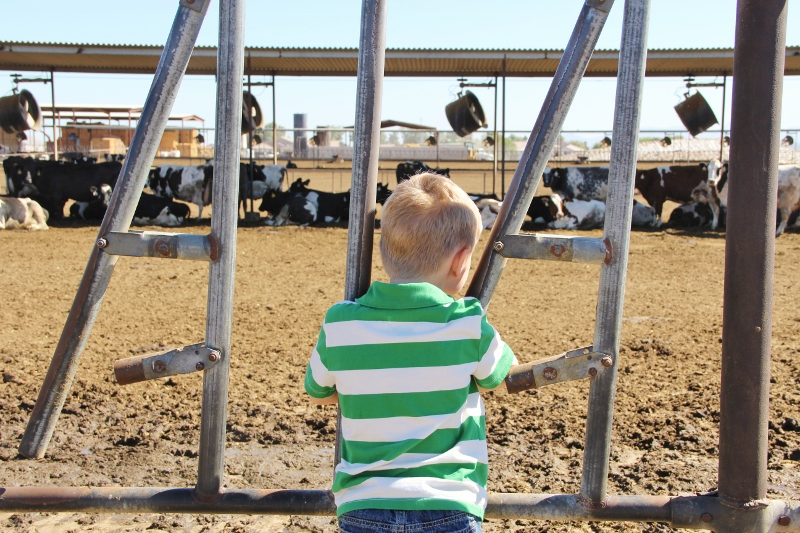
[[189, 184], [788, 191], [411, 168], [578, 214], [23, 213], [679, 183], [693, 215], [580, 183], [94, 210], [156, 211]]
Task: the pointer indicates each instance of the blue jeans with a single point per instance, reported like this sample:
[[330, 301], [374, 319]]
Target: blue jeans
[[391, 521]]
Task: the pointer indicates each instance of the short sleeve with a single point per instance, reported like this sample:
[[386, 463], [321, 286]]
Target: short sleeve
[[320, 382], [496, 358]]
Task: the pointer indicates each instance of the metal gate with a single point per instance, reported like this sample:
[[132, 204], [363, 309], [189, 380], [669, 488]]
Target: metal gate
[[739, 505]]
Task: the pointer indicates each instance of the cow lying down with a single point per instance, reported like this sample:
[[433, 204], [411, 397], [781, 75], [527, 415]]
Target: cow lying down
[[22, 213], [150, 211]]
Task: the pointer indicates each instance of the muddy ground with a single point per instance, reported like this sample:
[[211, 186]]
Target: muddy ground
[[666, 419]]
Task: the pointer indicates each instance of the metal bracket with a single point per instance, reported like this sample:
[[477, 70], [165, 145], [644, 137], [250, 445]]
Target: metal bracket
[[574, 364], [601, 5], [194, 5], [156, 244], [555, 248], [184, 360]]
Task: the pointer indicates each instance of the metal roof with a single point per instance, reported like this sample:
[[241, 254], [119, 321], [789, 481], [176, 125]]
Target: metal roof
[[135, 59]]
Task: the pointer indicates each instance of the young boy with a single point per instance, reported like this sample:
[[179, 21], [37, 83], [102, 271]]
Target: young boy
[[406, 362]]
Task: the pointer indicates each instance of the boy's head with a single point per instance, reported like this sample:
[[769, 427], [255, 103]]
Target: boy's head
[[424, 222]]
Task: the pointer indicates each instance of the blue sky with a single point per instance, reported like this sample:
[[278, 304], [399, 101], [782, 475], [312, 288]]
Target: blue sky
[[413, 24]]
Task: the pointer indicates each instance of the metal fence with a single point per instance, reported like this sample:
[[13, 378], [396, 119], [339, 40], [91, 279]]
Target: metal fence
[[328, 145]]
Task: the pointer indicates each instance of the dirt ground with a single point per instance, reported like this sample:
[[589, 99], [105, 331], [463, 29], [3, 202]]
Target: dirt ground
[[146, 434]]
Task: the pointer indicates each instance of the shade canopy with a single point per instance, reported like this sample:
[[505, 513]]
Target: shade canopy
[[107, 58]]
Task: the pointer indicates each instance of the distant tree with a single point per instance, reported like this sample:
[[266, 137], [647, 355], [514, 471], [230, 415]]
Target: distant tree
[[415, 137]]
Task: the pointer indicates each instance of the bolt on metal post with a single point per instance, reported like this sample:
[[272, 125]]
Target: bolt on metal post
[[619, 208], [230, 70], [118, 217]]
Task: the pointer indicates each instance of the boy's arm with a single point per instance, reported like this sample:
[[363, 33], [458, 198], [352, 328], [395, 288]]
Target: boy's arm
[[320, 383], [496, 359]]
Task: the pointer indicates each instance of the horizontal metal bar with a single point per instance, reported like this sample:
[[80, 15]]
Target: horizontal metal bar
[[692, 512], [157, 244], [575, 364], [184, 360], [554, 248]]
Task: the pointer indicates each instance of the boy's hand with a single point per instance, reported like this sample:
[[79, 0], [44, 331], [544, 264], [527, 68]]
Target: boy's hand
[[332, 399]]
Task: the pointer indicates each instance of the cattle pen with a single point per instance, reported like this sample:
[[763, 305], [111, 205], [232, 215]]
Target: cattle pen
[[739, 502]]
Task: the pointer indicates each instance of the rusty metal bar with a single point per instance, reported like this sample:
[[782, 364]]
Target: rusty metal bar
[[159, 244], [366, 146], [219, 315], [619, 209], [575, 364], [554, 248], [750, 249], [118, 217], [691, 512], [540, 143], [184, 360]]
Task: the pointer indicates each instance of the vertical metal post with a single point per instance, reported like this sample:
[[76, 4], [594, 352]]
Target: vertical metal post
[[274, 126], [250, 136], [437, 149], [494, 147], [219, 315], [543, 137], [619, 207], [119, 215], [366, 146], [722, 123], [503, 172], [758, 60], [55, 125]]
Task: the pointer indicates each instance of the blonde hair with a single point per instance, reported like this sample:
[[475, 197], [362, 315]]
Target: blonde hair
[[426, 219]]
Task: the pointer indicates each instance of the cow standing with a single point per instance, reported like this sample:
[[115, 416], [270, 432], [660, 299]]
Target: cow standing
[[189, 184], [412, 168], [679, 183]]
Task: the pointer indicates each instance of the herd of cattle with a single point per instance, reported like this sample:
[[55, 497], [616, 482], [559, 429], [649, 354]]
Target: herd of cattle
[[38, 188]]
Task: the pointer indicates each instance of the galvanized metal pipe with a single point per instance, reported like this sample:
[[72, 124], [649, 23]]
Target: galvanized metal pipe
[[118, 217], [692, 512], [543, 137], [189, 246], [750, 249], [619, 208], [219, 316], [366, 145], [555, 248]]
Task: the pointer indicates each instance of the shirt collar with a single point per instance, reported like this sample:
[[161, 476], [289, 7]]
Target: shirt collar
[[403, 296]]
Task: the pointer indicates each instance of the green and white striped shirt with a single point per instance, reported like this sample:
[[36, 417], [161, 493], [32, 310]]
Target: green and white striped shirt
[[405, 360]]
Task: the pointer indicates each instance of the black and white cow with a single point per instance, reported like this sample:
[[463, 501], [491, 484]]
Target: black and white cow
[[189, 184], [301, 205], [94, 210], [693, 215], [56, 183], [679, 183], [580, 183], [643, 215], [411, 168], [23, 213], [578, 214], [382, 194], [788, 191], [155, 211], [544, 209], [317, 206], [19, 176]]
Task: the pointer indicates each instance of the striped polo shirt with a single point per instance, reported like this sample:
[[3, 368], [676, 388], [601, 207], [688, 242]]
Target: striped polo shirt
[[405, 360]]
